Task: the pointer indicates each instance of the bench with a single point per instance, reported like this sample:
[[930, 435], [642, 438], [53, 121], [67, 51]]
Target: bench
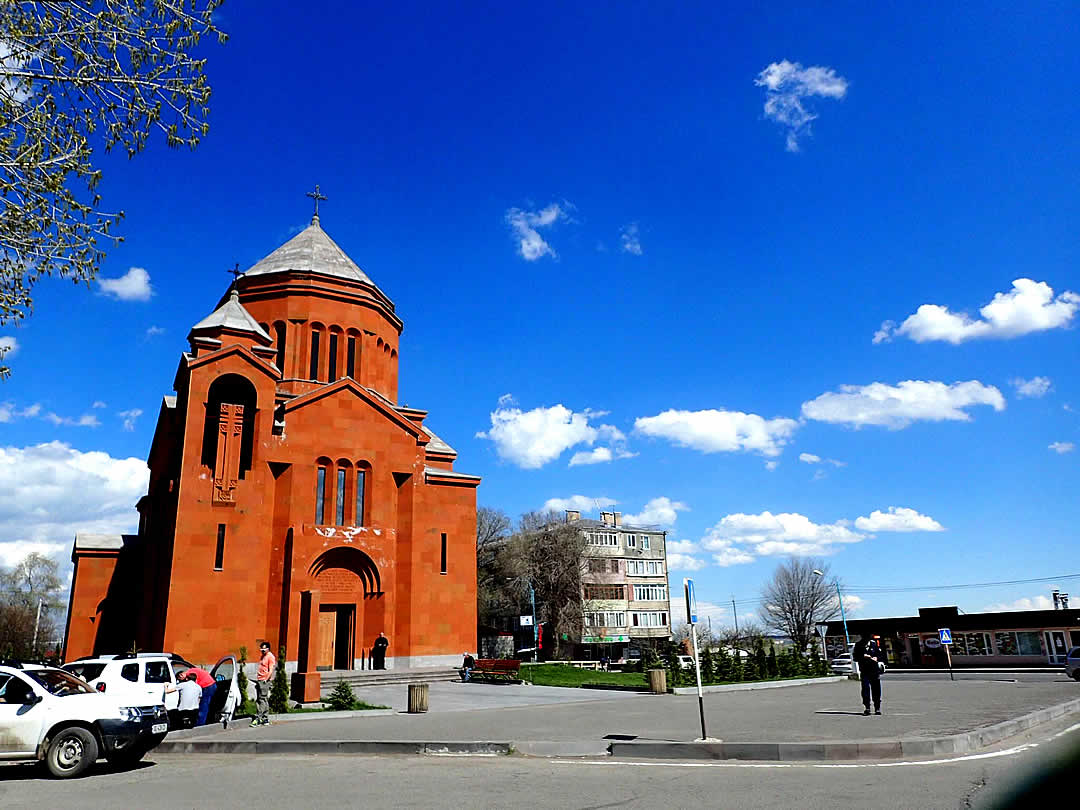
[[496, 669]]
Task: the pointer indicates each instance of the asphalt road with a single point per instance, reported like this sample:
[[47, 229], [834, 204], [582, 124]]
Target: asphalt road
[[198, 781]]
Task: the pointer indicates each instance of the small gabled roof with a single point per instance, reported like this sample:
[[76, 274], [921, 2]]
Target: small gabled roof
[[232, 315], [437, 445], [310, 251]]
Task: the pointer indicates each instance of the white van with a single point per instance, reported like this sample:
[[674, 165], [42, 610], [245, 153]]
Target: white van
[[141, 679]]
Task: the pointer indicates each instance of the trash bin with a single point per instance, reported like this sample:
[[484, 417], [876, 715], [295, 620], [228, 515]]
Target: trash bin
[[658, 681], [418, 698]]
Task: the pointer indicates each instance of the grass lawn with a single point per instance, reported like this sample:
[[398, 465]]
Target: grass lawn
[[563, 675]]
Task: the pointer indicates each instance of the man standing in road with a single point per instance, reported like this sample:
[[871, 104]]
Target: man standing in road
[[871, 659], [263, 678]]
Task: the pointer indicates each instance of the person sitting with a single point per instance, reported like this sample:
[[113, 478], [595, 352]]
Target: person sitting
[[468, 664]]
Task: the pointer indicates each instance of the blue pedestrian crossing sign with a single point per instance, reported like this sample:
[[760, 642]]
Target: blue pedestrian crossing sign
[[691, 601], [945, 635]]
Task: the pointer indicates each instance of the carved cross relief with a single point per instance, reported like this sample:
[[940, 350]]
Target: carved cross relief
[[227, 464]]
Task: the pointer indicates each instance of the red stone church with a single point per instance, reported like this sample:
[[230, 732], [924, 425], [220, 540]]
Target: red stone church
[[291, 497]]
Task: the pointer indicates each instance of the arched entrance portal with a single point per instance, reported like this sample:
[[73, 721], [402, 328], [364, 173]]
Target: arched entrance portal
[[351, 607]]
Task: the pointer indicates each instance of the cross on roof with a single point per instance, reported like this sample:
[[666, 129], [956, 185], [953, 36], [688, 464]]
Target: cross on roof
[[316, 195], [236, 272]]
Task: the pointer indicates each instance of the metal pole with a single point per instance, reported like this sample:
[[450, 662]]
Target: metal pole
[[37, 624], [735, 613], [948, 657], [697, 668], [536, 630], [840, 599]]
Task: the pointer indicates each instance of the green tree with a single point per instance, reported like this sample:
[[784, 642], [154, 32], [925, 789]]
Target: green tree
[[30, 583], [342, 698], [242, 679], [722, 665], [279, 692], [773, 666], [75, 76], [708, 667]]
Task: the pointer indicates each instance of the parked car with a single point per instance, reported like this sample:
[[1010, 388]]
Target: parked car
[[1072, 663], [47, 714], [142, 678], [842, 665], [686, 661]]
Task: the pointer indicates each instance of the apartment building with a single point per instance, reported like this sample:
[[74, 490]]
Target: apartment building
[[626, 598]]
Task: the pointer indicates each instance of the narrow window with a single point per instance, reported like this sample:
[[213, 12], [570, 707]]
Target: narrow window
[[361, 485], [331, 372], [219, 555], [279, 338], [339, 511], [350, 357], [314, 371], [320, 496], [443, 566]]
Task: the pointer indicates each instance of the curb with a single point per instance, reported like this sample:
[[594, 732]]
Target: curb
[[332, 747], [241, 722], [754, 685]]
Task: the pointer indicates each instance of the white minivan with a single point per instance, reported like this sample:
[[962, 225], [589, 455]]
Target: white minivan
[[141, 678]]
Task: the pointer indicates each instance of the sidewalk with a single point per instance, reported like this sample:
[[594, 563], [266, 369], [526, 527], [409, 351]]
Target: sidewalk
[[566, 722]]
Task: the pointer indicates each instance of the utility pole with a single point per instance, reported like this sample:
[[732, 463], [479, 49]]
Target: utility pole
[[735, 613], [37, 624]]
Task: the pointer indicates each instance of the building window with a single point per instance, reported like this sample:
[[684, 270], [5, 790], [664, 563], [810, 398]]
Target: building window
[[339, 498], [606, 619], [650, 593], [605, 591], [645, 542], [331, 371], [320, 496], [597, 566], [219, 553], [350, 357], [279, 339], [602, 539], [631, 541], [972, 644], [361, 492], [442, 566], [614, 566], [1018, 643], [652, 618], [645, 568], [313, 372]]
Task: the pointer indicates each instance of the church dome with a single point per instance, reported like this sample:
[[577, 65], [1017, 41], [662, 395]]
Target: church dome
[[310, 251]]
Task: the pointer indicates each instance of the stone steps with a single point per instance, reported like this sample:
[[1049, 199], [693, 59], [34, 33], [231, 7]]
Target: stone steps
[[358, 679]]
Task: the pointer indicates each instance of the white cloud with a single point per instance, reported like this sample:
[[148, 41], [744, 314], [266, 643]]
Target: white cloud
[[784, 533], [86, 420], [787, 85], [578, 503], [631, 239], [1030, 306], [713, 431], [682, 547], [99, 404], [897, 519], [897, 406], [599, 455], [524, 224], [129, 417], [809, 458], [852, 603], [1034, 388], [1062, 447], [9, 346], [677, 561], [134, 285], [531, 439], [771, 465], [50, 491], [705, 610], [154, 331], [727, 557], [660, 511], [1039, 602]]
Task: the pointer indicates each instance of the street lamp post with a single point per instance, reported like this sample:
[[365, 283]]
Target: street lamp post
[[840, 599]]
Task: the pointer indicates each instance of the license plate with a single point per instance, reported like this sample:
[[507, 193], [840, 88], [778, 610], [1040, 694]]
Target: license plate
[[159, 728]]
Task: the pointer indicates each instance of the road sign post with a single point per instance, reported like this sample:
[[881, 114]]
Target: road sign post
[[691, 619], [945, 637]]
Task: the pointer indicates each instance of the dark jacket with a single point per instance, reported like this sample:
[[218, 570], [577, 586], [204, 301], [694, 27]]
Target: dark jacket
[[867, 654]]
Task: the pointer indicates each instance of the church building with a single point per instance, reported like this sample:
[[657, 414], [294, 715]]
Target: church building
[[291, 497]]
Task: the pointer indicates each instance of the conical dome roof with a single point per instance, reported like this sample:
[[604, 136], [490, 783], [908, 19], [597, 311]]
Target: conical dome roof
[[231, 315], [310, 251]]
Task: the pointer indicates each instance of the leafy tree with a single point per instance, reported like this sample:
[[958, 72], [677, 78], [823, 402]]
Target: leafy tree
[[32, 581], [279, 692], [74, 76], [796, 598]]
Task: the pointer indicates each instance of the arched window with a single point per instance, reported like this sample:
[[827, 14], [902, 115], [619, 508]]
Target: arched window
[[231, 389], [360, 492], [332, 366], [342, 477], [313, 372], [352, 353], [279, 340], [320, 491]]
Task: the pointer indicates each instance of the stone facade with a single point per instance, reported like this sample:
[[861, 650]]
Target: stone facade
[[291, 498]]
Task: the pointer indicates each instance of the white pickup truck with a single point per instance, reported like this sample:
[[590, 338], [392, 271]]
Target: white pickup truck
[[49, 715]]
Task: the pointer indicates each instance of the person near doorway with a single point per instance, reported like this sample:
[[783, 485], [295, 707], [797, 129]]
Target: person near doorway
[[208, 686], [378, 652], [264, 676], [187, 711], [468, 664], [870, 657]]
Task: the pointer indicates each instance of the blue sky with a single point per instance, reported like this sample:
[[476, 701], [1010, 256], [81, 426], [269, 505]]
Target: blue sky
[[663, 237]]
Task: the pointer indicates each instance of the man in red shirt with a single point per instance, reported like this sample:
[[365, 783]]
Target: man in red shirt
[[208, 685], [263, 677]]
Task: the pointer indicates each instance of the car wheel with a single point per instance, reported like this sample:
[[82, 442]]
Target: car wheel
[[71, 752], [1076, 674]]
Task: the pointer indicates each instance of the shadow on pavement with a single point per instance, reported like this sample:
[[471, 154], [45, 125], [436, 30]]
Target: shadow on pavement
[[36, 771]]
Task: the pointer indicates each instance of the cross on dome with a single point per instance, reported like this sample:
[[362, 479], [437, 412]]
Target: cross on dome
[[316, 195]]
